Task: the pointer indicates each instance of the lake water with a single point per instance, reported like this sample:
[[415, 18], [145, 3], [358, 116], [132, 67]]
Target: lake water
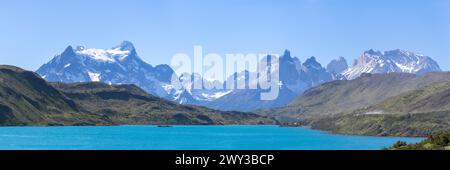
[[185, 138]]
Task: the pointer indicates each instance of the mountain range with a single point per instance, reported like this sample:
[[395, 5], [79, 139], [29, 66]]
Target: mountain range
[[122, 65], [391, 93], [28, 100]]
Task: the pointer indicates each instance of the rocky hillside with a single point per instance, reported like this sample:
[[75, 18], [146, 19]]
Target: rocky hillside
[[432, 98], [383, 105]]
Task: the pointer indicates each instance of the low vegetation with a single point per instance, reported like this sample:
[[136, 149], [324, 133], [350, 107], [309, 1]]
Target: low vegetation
[[438, 141]]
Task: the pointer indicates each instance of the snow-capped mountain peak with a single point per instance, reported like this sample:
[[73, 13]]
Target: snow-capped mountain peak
[[117, 65], [108, 55], [372, 61]]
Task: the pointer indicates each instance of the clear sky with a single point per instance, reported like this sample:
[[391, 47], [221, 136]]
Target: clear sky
[[32, 32]]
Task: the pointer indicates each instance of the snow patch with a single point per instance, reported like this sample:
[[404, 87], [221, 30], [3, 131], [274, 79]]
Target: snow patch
[[216, 95], [405, 68], [108, 55], [95, 77], [374, 113]]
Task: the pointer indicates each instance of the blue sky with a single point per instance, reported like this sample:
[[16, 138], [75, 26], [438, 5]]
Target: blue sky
[[32, 32]]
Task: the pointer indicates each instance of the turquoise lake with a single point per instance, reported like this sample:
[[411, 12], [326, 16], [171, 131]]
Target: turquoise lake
[[185, 138]]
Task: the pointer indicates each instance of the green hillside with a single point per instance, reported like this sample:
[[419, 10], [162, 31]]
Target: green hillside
[[415, 113]]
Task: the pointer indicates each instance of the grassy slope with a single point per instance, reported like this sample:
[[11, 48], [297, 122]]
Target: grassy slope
[[416, 113]]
